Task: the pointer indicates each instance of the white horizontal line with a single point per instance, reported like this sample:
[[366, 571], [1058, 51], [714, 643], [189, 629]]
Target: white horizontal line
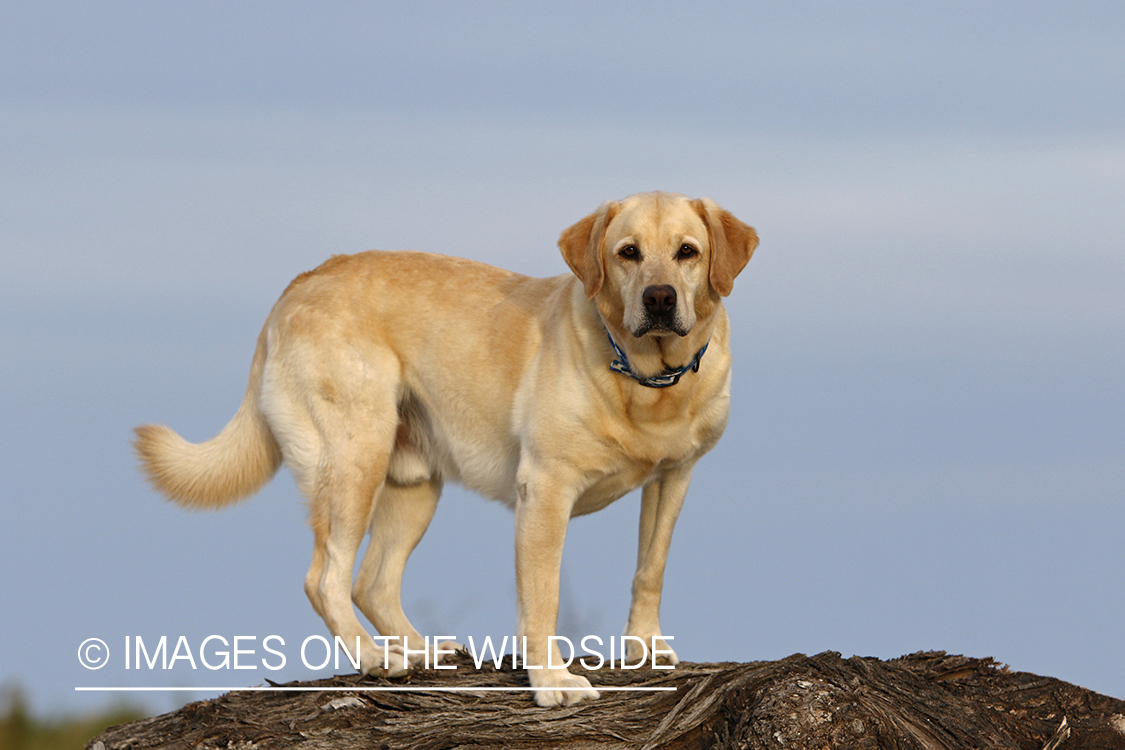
[[411, 689]]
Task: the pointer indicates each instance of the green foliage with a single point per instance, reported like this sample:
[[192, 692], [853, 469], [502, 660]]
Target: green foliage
[[20, 730]]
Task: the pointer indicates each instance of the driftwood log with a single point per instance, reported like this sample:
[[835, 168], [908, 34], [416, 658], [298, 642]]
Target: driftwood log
[[924, 700]]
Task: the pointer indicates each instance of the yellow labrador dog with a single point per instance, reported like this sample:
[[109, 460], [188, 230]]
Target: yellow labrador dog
[[380, 375]]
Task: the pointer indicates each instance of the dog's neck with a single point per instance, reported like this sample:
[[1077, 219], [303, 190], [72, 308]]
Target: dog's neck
[[669, 377]]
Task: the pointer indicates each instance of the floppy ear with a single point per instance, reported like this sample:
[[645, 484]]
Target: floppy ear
[[732, 244], [582, 246]]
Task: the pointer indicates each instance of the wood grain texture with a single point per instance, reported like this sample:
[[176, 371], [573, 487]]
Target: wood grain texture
[[927, 700]]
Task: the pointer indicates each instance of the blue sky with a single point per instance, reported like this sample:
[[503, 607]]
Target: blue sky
[[927, 444]]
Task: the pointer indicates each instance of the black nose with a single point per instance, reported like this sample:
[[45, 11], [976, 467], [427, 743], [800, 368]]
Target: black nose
[[659, 299]]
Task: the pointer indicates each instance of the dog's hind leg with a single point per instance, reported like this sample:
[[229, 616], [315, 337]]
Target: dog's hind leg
[[402, 515], [340, 514], [337, 435], [341, 510]]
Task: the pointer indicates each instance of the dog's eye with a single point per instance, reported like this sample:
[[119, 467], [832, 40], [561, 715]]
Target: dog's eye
[[629, 252], [686, 251]]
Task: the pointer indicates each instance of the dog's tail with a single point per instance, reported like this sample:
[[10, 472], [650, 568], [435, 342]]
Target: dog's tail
[[229, 467]]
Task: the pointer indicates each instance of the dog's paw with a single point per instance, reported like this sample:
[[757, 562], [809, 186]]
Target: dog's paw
[[447, 649], [664, 654], [427, 656], [436, 655], [389, 663], [655, 651], [396, 661], [558, 687]]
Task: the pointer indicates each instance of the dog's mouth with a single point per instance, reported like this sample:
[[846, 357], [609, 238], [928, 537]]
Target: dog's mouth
[[660, 325]]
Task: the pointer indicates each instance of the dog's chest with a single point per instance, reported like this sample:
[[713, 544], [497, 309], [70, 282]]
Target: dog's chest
[[610, 488], [637, 456]]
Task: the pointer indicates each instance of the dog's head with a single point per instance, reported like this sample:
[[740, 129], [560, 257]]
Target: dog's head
[[658, 262]]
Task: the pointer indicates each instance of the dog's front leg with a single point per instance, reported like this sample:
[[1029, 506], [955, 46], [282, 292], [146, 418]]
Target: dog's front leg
[[542, 515], [661, 501]]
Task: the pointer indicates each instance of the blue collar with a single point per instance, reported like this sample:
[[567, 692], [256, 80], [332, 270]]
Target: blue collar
[[669, 377]]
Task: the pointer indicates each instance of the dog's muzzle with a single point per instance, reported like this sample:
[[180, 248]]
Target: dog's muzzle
[[659, 301]]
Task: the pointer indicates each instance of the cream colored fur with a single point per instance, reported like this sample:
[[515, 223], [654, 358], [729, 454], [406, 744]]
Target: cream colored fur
[[379, 376]]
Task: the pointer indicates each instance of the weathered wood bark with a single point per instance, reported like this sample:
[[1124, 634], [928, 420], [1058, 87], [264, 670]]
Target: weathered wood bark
[[925, 700]]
